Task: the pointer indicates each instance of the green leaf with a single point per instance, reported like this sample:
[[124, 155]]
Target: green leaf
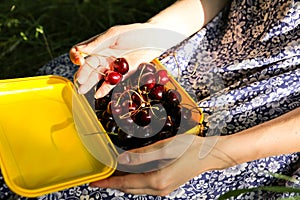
[[278, 189], [283, 177], [23, 35], [39, 29]]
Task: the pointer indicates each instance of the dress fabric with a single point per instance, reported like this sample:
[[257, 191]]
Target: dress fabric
[[243, 69]]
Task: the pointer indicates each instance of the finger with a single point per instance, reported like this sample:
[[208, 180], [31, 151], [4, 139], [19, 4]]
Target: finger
[[75, 56], [96, 64], [129, 181], [152, 183], [169, 149], [149, 191], [90, 83], [103, 90]]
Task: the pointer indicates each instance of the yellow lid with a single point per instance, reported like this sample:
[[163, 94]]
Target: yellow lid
[[45, 127]]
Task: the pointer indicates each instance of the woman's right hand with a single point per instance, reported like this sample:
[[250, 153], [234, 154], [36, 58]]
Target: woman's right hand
[[95, 55]]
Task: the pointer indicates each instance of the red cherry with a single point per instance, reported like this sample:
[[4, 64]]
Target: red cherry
[[114, 108], [129, 105], [139, 99], [157, 92], [162, 77], [173, 96], [142, 117], [147, 81], [121, 65], [146, 67], [113, 77]]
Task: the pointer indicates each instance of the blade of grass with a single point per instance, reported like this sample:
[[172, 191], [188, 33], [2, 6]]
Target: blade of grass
[[277, 189]]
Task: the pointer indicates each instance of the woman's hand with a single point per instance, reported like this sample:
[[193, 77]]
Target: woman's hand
[[182, 158], [102, 49], [136, 42]]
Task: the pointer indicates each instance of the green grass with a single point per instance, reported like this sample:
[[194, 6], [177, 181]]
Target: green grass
[[34, 32]]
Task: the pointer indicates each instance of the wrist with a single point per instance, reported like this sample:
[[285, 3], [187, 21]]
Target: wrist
[[221, 152], [211, 152]]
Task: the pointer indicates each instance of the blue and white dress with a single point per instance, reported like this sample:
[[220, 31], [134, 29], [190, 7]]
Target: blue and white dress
[[243, 68]]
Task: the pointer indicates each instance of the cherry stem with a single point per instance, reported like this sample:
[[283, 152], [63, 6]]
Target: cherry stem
[[112, 133], [95, 70], [140, 77], [153, 107], [128, 92], [143, 101], [93, 54], [193, 107], [177, 64], [126, 115]]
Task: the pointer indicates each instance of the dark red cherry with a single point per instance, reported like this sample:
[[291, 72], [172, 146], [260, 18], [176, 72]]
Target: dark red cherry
[[106, 116], [121, 65], [173, 97], [101, 103], [156, 93], [111, 126], [114, 108], [126, 140], [147, 81], [139, 99], [126, 121], [168, 125], [146, 67], [129, 106], [113, 77], [142, 117], [162, 77]]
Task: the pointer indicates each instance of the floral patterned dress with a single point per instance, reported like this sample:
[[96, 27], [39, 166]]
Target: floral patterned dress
[[243, 69]]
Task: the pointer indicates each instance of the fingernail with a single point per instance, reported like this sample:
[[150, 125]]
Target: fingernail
[[81, 91], [98, 95], [124, 158]]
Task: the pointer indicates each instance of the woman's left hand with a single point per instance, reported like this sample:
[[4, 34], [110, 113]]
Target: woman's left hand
[[193, 155], [185, 162]]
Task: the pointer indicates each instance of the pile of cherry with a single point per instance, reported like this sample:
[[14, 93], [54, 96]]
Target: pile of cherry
[[141, 109]]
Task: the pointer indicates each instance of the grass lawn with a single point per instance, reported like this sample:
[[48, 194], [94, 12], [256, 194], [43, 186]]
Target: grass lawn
[[34, 32]]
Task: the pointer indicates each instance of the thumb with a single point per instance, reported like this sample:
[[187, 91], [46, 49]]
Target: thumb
[[168, 149]]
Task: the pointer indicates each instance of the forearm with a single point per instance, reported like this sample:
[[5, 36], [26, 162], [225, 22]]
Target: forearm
[[188, 16], [278, 136]]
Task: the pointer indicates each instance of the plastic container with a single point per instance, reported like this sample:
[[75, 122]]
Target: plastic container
[[50, 137], [43, 122]]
